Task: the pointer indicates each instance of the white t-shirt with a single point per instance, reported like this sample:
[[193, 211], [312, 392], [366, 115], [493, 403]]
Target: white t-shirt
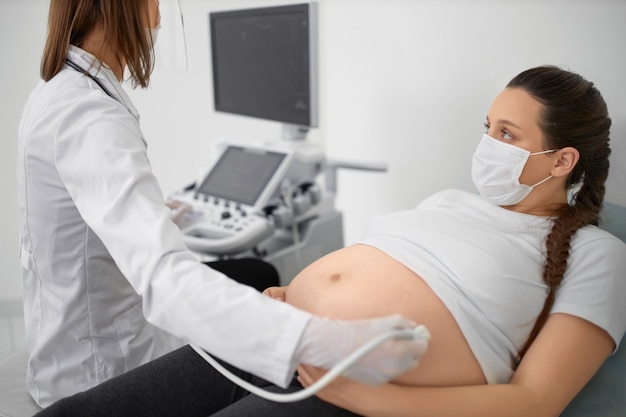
[[486, 264]]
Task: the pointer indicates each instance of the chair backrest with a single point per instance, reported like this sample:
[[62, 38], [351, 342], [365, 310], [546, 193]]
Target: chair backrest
[[605, 394]]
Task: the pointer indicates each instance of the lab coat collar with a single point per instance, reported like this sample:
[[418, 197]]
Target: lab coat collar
[[105, 74]]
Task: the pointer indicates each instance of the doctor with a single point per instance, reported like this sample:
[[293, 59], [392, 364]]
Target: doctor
[[108, 281]]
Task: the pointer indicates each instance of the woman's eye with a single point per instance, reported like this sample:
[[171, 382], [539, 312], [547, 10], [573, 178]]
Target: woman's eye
[[504, 134]]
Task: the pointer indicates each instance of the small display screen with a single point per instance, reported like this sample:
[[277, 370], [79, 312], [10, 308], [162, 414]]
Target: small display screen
[[241, 174]]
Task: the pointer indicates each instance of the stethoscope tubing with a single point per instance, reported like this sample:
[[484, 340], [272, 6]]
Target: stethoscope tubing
[[78, 68]]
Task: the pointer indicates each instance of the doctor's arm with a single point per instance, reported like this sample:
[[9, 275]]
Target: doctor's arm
[[563, 358], [102, 160]]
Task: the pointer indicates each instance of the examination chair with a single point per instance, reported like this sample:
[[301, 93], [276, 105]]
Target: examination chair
[[603, 396]]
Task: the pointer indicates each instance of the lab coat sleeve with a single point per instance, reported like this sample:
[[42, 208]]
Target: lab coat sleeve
[[102, 160]]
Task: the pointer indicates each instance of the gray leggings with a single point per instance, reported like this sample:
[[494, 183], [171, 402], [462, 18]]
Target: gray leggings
[[182, 384]]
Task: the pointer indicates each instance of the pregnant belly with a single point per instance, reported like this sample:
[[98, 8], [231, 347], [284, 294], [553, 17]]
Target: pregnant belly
[[361, 282]]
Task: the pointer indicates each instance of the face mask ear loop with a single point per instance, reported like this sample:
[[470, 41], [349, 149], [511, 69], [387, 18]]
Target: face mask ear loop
[[541, 182], [542, 152]]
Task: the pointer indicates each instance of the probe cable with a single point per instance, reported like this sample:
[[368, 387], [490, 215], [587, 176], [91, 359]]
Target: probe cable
[[420, 332]]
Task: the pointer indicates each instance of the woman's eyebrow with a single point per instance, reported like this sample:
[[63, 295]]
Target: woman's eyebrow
[[509, 123], [505, 122]]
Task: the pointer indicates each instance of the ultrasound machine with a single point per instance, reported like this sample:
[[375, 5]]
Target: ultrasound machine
[[275, 200]]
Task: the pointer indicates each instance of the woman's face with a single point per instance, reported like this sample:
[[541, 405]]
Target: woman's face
[[514, 119]]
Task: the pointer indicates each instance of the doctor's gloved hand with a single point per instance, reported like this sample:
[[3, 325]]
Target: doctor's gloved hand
[[179, 210], [326, 342]]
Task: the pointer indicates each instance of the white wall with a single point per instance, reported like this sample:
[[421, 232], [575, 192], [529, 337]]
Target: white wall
[[403, 81], [22, 32]]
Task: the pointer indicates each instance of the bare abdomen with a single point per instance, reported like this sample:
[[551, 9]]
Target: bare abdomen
[[361, 281]]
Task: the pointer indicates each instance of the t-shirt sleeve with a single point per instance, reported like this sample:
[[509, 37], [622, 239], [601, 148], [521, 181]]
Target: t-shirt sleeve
[[594, 285]]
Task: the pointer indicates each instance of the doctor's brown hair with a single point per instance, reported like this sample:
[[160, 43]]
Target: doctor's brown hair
[[573, 114], [124, 23]]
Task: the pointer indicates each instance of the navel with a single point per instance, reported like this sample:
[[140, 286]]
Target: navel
[[335, 277]]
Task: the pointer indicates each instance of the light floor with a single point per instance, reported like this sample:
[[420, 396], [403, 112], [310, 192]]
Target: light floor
[[11, 326]]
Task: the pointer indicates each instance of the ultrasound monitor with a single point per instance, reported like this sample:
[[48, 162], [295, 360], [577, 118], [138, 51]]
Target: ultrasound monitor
[[241, 175], [264, 63]]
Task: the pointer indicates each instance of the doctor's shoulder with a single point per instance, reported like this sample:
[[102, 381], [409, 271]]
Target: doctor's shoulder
[[77, 99], [49, 103]]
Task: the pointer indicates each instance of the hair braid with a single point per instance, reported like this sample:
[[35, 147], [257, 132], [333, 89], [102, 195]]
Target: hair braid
[[573, 114]]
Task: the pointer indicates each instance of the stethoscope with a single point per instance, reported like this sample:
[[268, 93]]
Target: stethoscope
[[85, 72]]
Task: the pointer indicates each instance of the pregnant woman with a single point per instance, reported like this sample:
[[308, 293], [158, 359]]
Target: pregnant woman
[[520, 290]]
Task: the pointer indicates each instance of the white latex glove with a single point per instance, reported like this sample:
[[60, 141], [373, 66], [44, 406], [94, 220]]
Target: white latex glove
[[179, 210], [326, 342]]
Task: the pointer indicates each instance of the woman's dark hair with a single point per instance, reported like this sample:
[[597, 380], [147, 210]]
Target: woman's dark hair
[[573, 114], [124, 23]]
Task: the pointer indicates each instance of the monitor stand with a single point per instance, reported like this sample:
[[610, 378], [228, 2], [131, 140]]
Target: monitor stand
[[294, 133]]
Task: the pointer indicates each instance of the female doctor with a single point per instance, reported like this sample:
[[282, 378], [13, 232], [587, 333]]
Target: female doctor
[[108, 281]]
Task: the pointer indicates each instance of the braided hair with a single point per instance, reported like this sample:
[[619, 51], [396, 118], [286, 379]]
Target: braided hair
[[573, 114]]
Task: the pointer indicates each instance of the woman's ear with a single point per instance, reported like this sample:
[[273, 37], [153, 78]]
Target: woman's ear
[[567, 158]]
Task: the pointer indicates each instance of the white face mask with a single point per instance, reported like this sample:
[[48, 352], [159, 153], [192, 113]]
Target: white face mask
[[496, 168]]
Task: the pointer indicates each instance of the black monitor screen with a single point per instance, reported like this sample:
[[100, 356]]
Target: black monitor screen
[[262, 63], [241, 174]]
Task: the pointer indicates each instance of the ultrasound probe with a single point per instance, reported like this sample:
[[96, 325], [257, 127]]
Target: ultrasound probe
[[418, 333]]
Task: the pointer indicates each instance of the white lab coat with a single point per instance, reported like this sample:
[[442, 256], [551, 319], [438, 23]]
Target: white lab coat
[[102, 262]]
